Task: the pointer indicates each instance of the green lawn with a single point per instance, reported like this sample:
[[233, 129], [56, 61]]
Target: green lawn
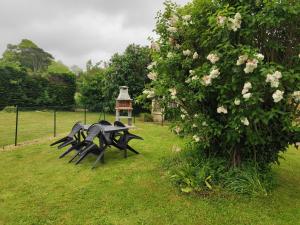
[[38, 188]]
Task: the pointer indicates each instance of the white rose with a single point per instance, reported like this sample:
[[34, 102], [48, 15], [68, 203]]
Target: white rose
[[182, 116], [187, 52], [188, 80], [206, 80], [277, 96], [275, 84], [221, 20], [149, 93], [247, 96], [173, 92], [195, 56], [251, 65], [169, 55], [277, 75], [213, 58], [274, 78], [245, 121], [260, 56], [237, 101], [296, 96], [152, 75], [237, 16], [214, 73], [247, 85], [187, 17], [242, 59], [172, 29], [196, 138], [222, 109], [173, 20], [235, 23]]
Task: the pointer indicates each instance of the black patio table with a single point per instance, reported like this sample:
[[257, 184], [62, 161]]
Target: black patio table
[[108, 128], [116, 135], [109, 135]]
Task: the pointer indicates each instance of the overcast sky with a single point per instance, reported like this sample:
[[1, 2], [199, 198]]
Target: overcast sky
[[75, 31]]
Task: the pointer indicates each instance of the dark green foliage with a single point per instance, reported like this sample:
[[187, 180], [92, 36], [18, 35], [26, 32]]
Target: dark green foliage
[[91, 89], [61, 89], [11, 83], [128, 69], [99, 86], [19, 88]]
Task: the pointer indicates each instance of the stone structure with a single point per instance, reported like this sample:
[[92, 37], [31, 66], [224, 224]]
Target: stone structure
[[124, 104], [156, 112]]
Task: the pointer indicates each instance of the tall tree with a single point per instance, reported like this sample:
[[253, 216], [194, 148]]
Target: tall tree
[[28, 55], [130, 69]]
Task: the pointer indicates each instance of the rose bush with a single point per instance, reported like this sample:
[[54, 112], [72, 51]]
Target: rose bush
[[232, 68]]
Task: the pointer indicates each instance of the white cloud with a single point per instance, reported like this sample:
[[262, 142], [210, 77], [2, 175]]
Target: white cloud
[[76, 31]]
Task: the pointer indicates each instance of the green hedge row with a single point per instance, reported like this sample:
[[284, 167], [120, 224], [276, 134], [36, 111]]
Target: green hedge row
[[19, 88]]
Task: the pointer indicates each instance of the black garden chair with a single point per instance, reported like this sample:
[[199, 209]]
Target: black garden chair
[[73, 138], [87, 145], [122, 139]]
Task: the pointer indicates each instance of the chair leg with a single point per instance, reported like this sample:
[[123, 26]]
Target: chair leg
[[80, 151], [101, 155], [85, 152], [59, 141], [131, 149], [66, 143], [67, 152]]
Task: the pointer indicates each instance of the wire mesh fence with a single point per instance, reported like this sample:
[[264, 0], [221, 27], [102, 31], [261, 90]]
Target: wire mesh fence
[[20, 124]]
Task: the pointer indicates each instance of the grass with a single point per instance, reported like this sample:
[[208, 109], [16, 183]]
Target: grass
[[38, 188], [37, 124]]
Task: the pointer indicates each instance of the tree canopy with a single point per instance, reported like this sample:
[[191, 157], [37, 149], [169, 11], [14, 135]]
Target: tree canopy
[[28, 55]]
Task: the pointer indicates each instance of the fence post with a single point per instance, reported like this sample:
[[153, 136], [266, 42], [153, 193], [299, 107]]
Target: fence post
[[84, 114], [54, 130], [17, 123]]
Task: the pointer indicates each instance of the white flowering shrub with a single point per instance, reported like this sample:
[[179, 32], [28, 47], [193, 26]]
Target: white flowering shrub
[[230, 71]]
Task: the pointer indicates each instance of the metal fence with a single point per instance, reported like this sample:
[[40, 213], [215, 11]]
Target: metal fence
[[20, 124]]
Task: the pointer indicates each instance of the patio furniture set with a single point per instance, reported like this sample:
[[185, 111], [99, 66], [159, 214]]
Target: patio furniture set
[[82, 140]]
